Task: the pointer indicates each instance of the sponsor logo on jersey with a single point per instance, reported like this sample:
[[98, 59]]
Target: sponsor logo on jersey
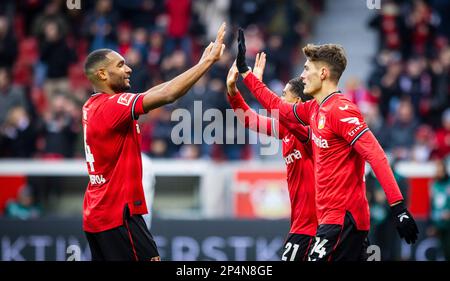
[[322, 143], [343, 107], [351, 120], [292, 157], [286, 139], [321, 122], [355, 130], [125, 99]]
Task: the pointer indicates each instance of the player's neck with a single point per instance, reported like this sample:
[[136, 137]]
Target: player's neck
[[103, 89], [325, 92]]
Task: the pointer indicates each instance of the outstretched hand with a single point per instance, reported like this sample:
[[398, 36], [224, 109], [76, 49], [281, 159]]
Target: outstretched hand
[[218, 47], [240, 59], [232, 77], [260, 64]]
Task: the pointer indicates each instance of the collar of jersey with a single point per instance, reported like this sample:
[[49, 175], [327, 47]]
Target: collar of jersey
[[95, 94], [329, 96]]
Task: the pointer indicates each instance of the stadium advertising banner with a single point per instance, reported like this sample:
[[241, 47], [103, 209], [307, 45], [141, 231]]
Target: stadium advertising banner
[[53, 239]]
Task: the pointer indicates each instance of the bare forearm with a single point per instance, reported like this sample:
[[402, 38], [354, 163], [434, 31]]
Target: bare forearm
[[170, 91]]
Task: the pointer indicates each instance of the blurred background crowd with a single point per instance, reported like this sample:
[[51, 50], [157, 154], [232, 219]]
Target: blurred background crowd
[[43, 44]]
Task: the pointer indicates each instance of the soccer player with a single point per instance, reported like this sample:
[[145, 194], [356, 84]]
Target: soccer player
[[297, 153], [114, 200], [342, 141]]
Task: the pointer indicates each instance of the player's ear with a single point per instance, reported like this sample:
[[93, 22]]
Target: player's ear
[[101, 74], [323, 73]]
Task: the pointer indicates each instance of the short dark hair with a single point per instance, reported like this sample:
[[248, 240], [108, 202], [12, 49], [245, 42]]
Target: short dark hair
[[93, 59], [297, 87], [333, 55]]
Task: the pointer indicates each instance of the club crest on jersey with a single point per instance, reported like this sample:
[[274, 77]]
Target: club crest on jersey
[[125, 99], [321, 124]]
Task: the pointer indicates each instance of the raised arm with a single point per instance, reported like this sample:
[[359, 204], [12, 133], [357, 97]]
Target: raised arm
[[246, 116], [179, 86], [288, 112]]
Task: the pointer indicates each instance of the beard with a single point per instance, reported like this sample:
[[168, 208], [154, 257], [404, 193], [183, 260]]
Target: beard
[[120, 87]]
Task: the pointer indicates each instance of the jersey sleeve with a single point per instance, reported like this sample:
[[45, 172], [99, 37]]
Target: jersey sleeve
[[122, 108], [250, 119], [289, 112], [368, 147], [347, 121]]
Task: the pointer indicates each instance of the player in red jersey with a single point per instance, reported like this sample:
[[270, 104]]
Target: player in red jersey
[[342, 144], [114, 200], [297, 153]]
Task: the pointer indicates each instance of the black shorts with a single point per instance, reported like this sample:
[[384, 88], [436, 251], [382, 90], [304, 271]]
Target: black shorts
[[296, 247], [335, 242], [131, 241]]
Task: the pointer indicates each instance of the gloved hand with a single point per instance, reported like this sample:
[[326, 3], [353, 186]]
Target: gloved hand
[[404, 222], [240, 59]]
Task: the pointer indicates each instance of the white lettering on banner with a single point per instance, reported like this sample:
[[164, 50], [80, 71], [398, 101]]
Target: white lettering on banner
[[293, 156], [322, 143], [40, 248]]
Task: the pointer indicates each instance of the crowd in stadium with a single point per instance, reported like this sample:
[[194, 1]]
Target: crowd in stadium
[[43, 45]]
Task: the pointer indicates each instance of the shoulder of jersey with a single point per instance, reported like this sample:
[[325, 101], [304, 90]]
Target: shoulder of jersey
[[342, 103]]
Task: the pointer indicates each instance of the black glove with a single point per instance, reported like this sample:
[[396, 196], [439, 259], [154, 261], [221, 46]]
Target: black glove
[[240, 59], [404, 222]]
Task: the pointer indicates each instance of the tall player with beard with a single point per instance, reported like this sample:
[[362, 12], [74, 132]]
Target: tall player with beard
[[114, 200], [342, 144], [297, 153]]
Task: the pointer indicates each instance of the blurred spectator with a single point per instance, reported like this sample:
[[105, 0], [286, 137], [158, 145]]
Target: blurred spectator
[[24, 207], [8, 44], [402, 131], [389, 86], [140, 42], [140, 79], [212, 14], [174, 65], [57, 57], [359, 95], [100, 26], [124, 33], [10, 95], [415, 83], [376, 123], [60, 129], [421, 21], [391, 27], [423, 145], [442, 138], [155, 51], [18, 134], [440, 77], [52, 13], [440, 206], [179, 17], [382, 228], [140, 13]]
